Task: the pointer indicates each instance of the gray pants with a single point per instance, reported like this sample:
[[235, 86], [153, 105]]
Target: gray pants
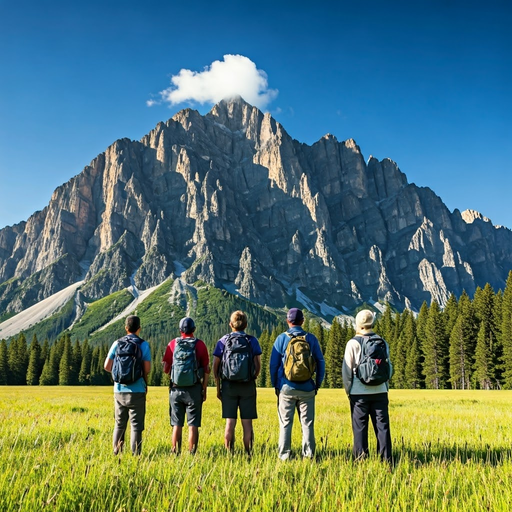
[[130, 406], [304, 402]]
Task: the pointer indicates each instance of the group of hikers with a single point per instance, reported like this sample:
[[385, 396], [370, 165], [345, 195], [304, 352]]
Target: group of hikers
[[297, 369]]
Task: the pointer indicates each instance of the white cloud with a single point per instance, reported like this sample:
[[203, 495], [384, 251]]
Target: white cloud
[[233, 76]]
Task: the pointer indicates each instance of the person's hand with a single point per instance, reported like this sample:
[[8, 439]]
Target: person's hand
[[204, 394], [276, 390]]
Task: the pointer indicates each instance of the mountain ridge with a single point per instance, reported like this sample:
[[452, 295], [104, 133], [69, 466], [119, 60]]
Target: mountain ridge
[[231, 199]]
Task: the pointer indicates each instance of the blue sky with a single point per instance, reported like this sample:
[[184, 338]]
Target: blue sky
[[425, 83]]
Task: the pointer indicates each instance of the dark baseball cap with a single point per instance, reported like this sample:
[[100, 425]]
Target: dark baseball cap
[[295, 316], [187, 325]]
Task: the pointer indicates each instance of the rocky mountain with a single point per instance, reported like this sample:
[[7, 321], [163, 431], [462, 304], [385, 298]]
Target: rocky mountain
[[230, 199]]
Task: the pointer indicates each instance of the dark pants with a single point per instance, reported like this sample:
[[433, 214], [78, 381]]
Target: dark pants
[[375, 407]]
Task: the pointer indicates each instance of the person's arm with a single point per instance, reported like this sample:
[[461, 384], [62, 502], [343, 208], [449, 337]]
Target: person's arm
[[348, 366], [216, 374], [167, 359], [108, 364], [257, 365], [146, 368], [275, 362], [109, 360], [319, 360], [203, 360]]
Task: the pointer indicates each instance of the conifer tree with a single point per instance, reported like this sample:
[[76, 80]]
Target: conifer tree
[[266, 347], [317, 330], [421, 322], [105, 377], [399, 356], [486, 358], [334, 356], [412, 373], [4, 365], [18, 360], [350, 332], [84, 376], [506, 333], [45, 352], [76, 362], [462, 345], [50, 374], [385, 325], [435, 350], [450, 314], [34, 362], [484, 375], [65, 363], [96, 377]]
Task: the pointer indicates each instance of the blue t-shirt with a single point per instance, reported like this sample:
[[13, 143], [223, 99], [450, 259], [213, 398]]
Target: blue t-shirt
[[219, 348], [279, 353], [139, 386]]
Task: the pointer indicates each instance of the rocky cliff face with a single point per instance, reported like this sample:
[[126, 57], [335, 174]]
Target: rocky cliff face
[[231, 199]]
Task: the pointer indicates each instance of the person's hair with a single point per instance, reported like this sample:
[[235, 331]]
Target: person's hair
[[238, 320], [132, 323]]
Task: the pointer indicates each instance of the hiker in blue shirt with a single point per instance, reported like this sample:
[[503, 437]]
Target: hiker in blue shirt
[[130, 397], [299, 392]]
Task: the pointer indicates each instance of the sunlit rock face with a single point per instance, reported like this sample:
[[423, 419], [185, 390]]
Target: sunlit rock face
[[231, 199]]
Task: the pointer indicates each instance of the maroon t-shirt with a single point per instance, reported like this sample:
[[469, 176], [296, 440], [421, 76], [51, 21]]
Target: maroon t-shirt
[[202, 356]]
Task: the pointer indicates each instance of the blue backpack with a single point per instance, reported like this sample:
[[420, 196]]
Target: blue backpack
[[237, 359], [127, 365], [184, 362]]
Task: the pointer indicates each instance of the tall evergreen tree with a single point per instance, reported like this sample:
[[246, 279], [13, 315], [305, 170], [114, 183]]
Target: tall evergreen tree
[[317, 330], [45, 352], [435, 350], [84, 376], [50, 373], [399, 356], [412, 373], [65, 368], [76, 362], [486, 370], [4, 364], [34, 362], [18, 360], [350, 332], [484, 374], [450, 314], [462, 345], [421, 324], [506, 333], [266, 348], [104, 376], [385, 325], [96, 377], [334, 356]]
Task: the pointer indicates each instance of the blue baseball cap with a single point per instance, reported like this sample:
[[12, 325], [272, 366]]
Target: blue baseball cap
[[295, 316], [187, 325]]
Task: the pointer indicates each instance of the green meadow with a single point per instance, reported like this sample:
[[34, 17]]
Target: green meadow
[[453, 451]]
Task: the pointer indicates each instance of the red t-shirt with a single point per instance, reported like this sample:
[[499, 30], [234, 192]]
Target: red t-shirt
[[202, 356]]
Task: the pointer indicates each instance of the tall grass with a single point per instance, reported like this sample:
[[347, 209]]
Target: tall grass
[[452, 450]]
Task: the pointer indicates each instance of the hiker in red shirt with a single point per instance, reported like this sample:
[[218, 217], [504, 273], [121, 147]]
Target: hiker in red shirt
[[187, 362]]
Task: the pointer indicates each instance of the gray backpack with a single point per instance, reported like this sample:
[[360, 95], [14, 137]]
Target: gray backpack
[[184, 363], [373, 368]]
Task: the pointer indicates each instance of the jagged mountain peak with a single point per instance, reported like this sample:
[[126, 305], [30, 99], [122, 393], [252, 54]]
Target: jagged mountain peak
[[231, 200]]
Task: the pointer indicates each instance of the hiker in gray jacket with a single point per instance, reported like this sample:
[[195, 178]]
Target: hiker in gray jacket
[[368, 399]]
